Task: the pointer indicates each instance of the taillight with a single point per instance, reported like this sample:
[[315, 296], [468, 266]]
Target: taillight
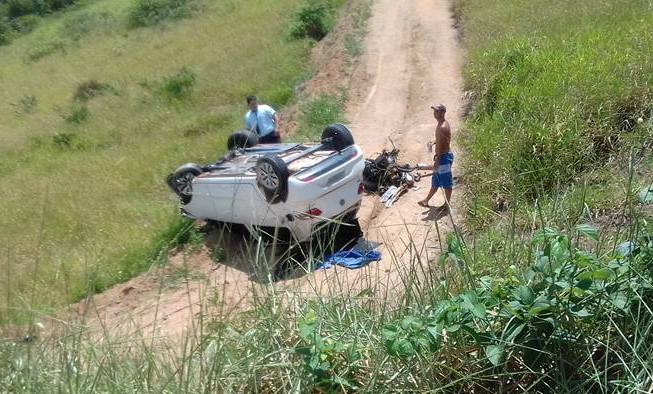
[[314, 212], [361, 188]]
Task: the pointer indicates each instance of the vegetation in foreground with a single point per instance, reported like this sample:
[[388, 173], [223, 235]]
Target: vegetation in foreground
[[573, 313]]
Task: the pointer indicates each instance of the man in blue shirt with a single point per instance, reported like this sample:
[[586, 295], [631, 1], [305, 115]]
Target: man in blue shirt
[[263, 120]]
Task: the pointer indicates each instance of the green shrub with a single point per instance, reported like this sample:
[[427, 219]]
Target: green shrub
[[78, 113], [25, 23], [5, 31], [82, 24], [42, 50], [179, 85], [151, 12], [89, 89], [314, 20], [17, 8], [68, 141]]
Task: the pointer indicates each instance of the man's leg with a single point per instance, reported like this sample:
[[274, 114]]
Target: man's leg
[[447, 196], [425, 202], [435, 184]]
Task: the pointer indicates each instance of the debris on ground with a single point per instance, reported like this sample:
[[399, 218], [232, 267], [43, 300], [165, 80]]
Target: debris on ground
[[387, 178]]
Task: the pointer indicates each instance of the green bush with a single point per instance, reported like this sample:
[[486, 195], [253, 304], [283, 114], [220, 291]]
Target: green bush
[[89, 89], [42, 50], [151, 12], [25, 23], [314, 20], [5, 31], [17, 8], [78, 113], [179, 85]]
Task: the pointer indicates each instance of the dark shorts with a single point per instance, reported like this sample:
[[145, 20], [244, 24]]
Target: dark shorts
[[442, 177], [272, 138]]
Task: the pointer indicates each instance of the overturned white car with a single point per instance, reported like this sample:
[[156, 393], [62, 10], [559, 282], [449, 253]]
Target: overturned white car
[[289, 189]]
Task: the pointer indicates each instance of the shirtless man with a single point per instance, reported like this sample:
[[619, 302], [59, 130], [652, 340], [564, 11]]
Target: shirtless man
[[442, 160]]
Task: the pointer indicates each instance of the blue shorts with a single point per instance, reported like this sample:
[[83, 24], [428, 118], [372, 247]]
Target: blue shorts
[[443, 177]]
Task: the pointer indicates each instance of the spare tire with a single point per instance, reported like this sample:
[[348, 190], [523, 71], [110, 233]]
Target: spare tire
[[242, 139], [337, 137], [272, 177], [181, 181]]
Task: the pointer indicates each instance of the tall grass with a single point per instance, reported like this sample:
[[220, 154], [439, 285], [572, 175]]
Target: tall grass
[[571, 313], [559, 89]]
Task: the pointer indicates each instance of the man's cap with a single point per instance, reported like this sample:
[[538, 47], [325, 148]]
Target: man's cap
[[439, 107]]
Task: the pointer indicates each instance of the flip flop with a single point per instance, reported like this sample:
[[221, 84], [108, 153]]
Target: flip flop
[[423, 204]]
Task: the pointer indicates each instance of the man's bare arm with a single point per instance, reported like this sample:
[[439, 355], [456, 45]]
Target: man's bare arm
[[277, 122]]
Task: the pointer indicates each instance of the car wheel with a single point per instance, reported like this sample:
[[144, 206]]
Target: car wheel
[[242, 139], [181, 181], [337, 137], [272, 177]]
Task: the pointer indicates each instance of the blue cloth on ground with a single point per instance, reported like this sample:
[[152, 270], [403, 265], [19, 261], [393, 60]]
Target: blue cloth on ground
[[352, 259]]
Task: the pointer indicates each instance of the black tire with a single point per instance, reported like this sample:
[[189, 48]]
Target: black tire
[[242, 139], [272, 177], [337, 137], [181, 181]]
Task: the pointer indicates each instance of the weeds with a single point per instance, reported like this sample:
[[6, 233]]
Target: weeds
[[151, 12], [45, 49], [551, 103], [78, 113], [179, 85], [82, 24], [314, 20], [89, 89], [320, 111], [28, 104], [569, 315]]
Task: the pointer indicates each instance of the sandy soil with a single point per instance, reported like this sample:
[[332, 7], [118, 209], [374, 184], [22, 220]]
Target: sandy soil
[[412, 61]]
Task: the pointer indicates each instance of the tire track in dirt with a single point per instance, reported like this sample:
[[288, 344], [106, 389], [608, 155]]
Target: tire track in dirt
[[412, 61]]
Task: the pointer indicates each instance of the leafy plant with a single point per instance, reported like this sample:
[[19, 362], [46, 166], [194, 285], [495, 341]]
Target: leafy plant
[[5, 31], [314, 20], [319, 112], [179, 85], [330, 361], [411, 336], [45, 49], [78, 113], [151, 12], [91, 88]]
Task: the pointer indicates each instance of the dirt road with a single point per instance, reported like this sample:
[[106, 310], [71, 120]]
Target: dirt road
[[412, 61]]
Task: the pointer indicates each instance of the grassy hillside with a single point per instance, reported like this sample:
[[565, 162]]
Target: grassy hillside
[[564, 93], [96, 111]]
